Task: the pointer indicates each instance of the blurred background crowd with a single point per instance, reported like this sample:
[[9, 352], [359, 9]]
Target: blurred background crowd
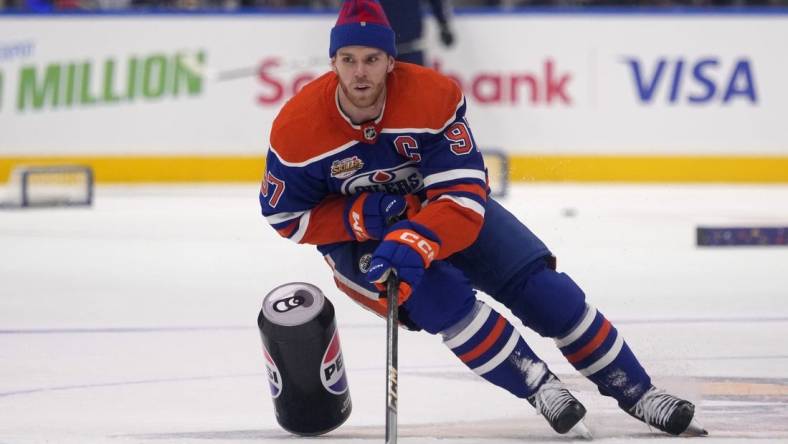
[[231, 5]]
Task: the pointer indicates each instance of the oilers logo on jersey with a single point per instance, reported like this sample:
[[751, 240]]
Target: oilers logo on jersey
[[364, 261], [403, 179]]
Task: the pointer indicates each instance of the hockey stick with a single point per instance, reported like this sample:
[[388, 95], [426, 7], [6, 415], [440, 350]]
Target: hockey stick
[[392, 290]]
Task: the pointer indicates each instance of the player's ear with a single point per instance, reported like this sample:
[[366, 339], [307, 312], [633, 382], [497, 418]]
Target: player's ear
[[391, 64], [333, 64]]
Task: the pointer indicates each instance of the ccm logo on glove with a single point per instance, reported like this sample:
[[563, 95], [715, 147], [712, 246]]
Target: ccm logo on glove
[[426, 248]]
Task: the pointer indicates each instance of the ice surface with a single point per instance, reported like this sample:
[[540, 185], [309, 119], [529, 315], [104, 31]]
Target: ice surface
[[134, 321]]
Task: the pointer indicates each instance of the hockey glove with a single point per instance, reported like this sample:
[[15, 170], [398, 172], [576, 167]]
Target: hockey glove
[[407, 250], [369, 214], [447, 37]]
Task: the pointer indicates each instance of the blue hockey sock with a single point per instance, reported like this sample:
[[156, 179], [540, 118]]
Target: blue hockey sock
[[594, 347], [490, 346]]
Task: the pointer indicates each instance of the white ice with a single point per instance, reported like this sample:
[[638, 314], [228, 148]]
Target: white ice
[[134, 321]]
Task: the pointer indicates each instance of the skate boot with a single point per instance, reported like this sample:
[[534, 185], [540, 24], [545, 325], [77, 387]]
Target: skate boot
[[561, 410], [667, 413]]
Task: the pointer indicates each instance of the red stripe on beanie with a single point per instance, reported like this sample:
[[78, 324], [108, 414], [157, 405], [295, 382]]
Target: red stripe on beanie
[[356, 11]]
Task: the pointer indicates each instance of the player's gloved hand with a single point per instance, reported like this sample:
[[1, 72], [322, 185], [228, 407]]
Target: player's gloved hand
[[368, 214], [447, 37], [407, 250]]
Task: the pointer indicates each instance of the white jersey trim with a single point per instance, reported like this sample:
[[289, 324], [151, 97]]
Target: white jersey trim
[[604, 360], [501, 356], [354, 286], [471, 329], [350, 143], [303, 224], [312, 160], [450, 175], [278, 218], [465, 202]]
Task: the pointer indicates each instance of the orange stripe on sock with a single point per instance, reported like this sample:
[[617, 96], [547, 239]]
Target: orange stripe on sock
[[487, 343], [589, 348]]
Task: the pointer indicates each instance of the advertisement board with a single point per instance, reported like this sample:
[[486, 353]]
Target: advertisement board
[[596, 93]]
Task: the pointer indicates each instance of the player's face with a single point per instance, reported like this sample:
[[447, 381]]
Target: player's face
[[362, 73]]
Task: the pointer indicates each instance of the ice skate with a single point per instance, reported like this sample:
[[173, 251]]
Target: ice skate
[[667, 413], [562, 410]]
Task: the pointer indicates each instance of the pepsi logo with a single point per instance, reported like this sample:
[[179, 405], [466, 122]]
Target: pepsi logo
[[332, 370], [274, 377]]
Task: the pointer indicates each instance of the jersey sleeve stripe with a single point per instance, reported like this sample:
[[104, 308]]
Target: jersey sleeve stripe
[[465, 202], [312, 160], [287, 230], [464, 189], [472, 196], [278, 218], [447, 176], [303, 224], [369, 294]]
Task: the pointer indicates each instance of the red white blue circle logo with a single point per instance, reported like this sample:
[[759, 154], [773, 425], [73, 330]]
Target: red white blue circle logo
[[274, 377], [332, 371]]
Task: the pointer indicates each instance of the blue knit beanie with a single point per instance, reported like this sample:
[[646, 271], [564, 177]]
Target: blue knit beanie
[[362, 23]]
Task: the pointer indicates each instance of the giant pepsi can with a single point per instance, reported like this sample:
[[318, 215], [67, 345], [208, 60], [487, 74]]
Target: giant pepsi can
[[303, 359]]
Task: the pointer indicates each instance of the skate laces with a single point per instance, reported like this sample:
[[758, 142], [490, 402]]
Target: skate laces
[[655, 407], [551, 399]]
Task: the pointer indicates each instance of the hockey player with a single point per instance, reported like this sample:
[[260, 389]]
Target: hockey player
[[407, 20], [375, 140]]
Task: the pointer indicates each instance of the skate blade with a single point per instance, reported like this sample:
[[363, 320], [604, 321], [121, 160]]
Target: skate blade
[[695, 429], [580, 430]]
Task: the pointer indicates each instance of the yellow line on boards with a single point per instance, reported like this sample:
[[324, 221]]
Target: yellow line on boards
[[650, 169], [531, 168], [154, 169]]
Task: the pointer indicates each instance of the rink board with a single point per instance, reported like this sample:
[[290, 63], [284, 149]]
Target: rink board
[[590, 97]]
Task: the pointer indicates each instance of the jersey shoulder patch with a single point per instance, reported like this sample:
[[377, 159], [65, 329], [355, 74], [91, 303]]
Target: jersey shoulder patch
[[421, 98]]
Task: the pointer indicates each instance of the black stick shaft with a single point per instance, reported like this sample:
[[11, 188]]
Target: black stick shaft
[[392, 289]]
